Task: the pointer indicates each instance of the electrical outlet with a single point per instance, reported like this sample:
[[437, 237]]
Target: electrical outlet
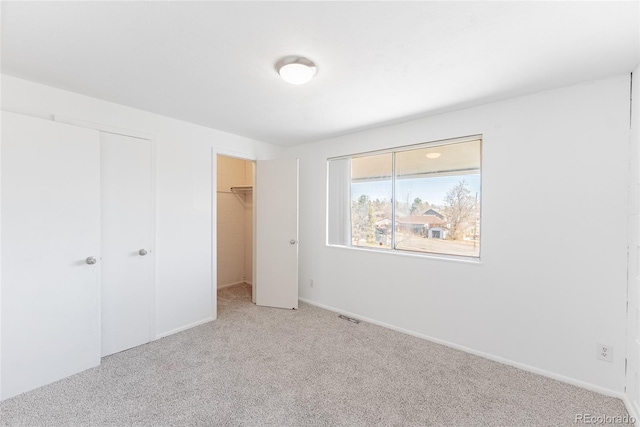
[[311, 283], [604, 352]]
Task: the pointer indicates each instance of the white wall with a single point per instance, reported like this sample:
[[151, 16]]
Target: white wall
[[556, 160], [633, 315], [185, 179]]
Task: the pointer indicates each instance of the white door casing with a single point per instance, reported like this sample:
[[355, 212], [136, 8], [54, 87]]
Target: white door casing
[[276, 231], [127, 256], [50, 226]]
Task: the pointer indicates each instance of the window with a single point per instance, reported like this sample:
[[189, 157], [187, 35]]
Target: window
[[423, 198]]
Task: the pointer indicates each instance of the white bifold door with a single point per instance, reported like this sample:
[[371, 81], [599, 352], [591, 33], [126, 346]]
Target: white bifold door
[[127, 258], [77, 261], [277, 233], [50, 252]]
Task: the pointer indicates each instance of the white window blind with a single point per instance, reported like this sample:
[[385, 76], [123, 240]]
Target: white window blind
[[338, 203]]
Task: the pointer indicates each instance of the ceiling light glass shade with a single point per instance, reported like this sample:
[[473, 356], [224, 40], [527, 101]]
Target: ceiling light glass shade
[[296, 70], [434, 155]]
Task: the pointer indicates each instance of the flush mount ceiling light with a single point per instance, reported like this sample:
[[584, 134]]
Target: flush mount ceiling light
[[434, 155], [296, 69]]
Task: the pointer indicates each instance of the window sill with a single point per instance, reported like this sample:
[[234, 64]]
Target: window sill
[[432, 256]]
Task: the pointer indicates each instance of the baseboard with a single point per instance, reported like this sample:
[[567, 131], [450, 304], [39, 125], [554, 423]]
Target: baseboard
[[524, 367], [632, 408], [184, 328], [228, 285]]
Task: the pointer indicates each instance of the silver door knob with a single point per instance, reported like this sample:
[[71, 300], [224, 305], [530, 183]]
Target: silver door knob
[[143, 252], [91, 260], [292, 241]]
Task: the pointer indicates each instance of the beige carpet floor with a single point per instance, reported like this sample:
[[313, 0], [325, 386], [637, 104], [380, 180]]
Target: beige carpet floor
[[258, 366]]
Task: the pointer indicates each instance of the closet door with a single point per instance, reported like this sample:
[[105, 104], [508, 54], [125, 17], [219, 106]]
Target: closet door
[[127, 264], [50, 252], [277, 233]]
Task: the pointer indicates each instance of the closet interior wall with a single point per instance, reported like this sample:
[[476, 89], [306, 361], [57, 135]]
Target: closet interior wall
[[235, 221]]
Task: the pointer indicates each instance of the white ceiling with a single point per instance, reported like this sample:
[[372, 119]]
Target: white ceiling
[[212, 63]]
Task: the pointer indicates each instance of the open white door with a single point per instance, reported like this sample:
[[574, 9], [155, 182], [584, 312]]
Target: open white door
[[277, 233], [50, 252]]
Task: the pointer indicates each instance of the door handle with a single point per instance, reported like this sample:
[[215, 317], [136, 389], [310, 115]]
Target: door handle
[[143, 252], [91, 260], [293, 241]]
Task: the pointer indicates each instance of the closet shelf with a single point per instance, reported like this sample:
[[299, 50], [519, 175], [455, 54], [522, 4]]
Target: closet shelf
[[242, 188]]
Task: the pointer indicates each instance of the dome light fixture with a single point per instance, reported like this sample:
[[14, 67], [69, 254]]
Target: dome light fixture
[[296, 70], [433, 155]]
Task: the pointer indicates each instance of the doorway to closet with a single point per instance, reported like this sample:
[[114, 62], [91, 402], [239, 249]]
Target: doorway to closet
[[257, 229], [235, 222]]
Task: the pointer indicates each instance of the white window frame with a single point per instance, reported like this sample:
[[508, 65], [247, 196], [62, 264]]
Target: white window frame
[[345, 240]]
